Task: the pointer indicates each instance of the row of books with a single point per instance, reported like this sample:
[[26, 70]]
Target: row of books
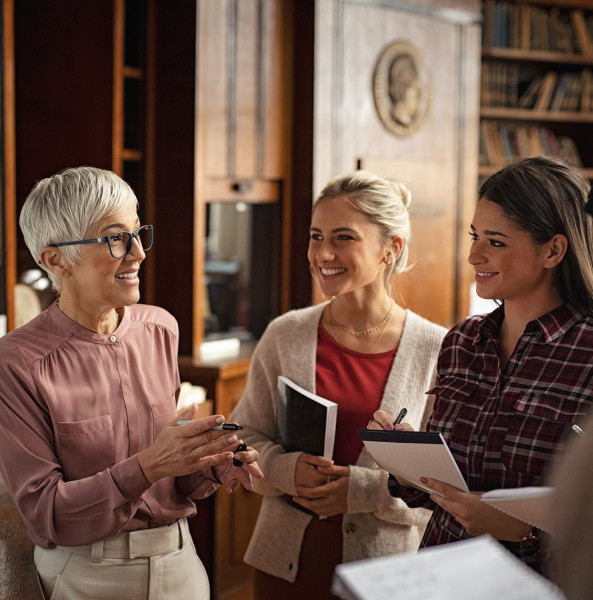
[[503, 85], [502, 144], [531, 27]]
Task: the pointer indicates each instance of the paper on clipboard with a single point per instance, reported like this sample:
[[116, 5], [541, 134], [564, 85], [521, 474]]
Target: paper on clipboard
[[409, 455], [528, 504]]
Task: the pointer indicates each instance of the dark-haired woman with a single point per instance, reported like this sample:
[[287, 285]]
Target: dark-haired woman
[[511, 383]]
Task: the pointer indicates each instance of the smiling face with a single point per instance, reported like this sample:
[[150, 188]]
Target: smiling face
[[346, 252], [98, 282], [508, 264]]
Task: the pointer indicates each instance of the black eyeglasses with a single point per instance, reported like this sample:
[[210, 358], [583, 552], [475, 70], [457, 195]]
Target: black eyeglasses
[[119, 243]]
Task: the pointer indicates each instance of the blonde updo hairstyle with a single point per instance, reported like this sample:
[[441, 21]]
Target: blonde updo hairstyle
[[383, 203]]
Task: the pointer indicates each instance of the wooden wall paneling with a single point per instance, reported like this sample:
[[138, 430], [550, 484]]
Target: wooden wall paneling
[[244, 78], [305, 123], [9, 221], [326, 95], [235, 520], [213, 86], [223, 525], [211, 150], [432, 251], [150, 284], [72, 67], [243, 120], [65, 118], [468, 176], [275, 87], [171, 147], [117, 123], [236, 515]]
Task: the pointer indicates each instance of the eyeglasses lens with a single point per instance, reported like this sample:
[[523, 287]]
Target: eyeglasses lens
[[121, 243]]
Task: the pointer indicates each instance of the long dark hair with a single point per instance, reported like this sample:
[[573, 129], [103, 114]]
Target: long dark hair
[[544, 197]]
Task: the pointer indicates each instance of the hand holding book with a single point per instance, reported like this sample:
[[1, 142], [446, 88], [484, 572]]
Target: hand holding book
[[306, 422], [328, 498]]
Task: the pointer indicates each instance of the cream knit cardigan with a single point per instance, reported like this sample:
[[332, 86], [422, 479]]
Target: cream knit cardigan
[[376, 523]]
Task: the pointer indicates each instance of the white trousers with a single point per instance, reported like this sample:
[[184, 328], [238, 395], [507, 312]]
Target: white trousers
[[148, 564]]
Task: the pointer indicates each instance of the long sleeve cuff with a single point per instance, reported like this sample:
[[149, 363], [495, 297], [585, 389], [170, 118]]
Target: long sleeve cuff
[[130, 478], [198, 485]]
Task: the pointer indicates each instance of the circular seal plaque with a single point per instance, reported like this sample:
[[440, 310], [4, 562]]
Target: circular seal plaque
[[402, 88]]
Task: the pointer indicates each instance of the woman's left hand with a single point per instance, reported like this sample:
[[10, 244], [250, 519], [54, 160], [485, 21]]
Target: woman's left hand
[[328, 499], [475, 516], [231, 475]]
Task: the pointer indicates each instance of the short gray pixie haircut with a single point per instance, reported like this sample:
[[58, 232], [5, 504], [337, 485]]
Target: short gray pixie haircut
[[383, 203], [64, 207]]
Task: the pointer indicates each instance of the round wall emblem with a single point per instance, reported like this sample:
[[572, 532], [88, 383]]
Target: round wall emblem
[[402, 88]]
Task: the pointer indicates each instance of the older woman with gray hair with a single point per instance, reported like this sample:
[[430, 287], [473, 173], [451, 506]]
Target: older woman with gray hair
[[90, 448]]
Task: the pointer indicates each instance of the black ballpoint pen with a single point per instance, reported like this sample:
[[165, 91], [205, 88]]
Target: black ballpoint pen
[[223, 426], [402, 413], [227, 427]]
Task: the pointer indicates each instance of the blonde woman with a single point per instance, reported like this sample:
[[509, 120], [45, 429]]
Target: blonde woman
[[362, 350]]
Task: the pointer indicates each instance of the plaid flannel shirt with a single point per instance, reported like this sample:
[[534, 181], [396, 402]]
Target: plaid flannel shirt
[[505, 428]]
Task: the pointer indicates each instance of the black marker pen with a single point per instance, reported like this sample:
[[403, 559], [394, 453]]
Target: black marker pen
[[402, 413], [221, 427], [227, 427]]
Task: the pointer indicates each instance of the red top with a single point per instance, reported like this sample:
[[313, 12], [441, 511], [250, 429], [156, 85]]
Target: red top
[[355, 382]]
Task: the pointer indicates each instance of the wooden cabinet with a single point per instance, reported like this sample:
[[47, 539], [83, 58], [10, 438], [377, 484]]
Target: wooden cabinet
[[224, 523], [242, 153], [80, 92], [7, 191], [536, 85]]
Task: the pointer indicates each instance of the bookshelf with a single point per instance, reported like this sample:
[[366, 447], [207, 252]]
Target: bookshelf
[[536, 82]]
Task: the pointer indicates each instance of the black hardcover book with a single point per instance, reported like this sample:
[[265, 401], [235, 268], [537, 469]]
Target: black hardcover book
[[305, 421]]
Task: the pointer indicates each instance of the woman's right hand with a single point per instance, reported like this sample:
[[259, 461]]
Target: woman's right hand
[[383, 420], [306, 473], [184, 449]]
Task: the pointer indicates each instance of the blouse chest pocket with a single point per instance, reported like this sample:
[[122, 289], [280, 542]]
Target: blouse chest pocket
[[162, 413], [85, 447], [534, 431]]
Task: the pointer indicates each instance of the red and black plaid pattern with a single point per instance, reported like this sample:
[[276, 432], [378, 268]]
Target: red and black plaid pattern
[[505, 428]]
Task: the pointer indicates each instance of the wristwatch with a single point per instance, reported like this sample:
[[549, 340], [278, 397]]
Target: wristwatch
[[529, 542]]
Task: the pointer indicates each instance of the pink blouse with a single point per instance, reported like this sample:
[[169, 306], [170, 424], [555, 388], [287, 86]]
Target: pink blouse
[[76, 407]]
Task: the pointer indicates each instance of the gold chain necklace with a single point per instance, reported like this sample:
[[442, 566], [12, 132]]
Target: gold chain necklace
[[368, 331], [376, 342]]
